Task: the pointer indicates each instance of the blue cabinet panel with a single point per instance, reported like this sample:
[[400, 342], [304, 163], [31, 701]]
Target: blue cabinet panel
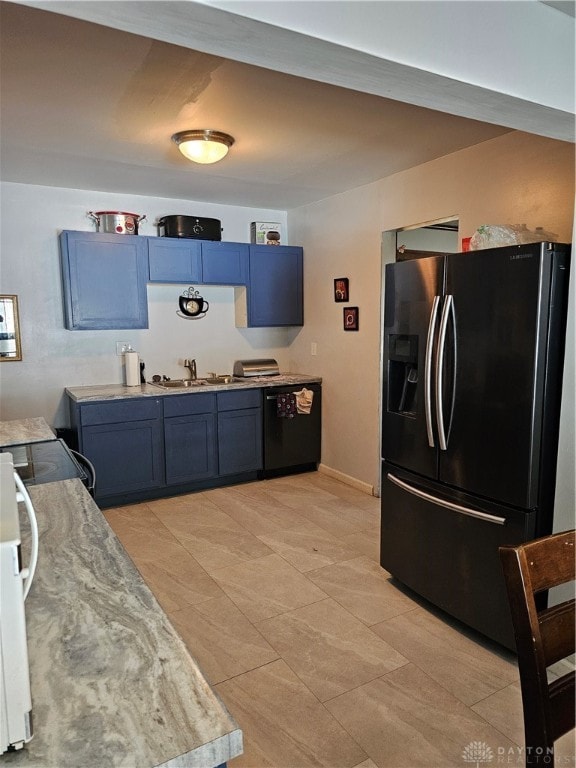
[[224, 263], [245, 398], [275, 291], [189, 404], [239, 441], [120, 411], [127, 456], [174, 260], [190, 448], [104, 279]]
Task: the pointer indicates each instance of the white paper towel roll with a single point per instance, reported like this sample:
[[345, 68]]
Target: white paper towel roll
[[132, 365]]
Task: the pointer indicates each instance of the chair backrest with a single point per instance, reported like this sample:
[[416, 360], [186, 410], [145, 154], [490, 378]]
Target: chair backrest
[[543, 637]]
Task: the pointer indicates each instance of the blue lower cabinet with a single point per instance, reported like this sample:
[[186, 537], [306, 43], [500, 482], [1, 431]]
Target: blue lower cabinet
[[162, 445], [104, 278], [124, 441], [127, 456], [239, 431], [191, 452]]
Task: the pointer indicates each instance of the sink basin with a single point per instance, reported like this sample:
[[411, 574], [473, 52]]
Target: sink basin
[[188, 383], [175, 384]]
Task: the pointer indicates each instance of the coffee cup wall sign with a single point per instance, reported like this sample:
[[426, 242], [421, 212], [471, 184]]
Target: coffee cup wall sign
[[191, 305]]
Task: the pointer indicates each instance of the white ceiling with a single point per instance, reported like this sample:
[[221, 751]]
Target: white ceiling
[[91, 107]]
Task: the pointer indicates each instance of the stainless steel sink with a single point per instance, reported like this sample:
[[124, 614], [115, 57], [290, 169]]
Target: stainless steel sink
[[189, 383], [174, 384]]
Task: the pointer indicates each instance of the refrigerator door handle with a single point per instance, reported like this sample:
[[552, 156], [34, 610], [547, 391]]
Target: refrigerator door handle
[[428, 371], [446, 311], [447, 504]]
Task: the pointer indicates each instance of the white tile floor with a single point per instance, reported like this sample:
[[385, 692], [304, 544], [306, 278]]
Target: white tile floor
[[321, 657]]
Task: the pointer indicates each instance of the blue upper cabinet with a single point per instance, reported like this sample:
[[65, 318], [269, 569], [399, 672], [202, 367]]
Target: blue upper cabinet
[[174, 260], [104, 279], [275, 290], [224, 263]]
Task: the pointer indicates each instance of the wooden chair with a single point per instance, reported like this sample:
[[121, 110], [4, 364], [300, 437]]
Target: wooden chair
[[543, 637]]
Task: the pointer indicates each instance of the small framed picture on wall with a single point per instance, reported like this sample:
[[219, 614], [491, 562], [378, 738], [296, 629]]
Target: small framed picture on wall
[[341, 292], [350, 318]]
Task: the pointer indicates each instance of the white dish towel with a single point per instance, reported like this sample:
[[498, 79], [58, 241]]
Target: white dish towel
[[304, 400]]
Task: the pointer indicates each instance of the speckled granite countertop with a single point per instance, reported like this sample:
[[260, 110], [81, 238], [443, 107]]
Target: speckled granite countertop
[[120, 392], [112, 682], [24, 431]]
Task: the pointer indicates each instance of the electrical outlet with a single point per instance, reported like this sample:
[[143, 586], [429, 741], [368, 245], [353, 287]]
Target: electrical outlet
[[313, 348], [121, 347]]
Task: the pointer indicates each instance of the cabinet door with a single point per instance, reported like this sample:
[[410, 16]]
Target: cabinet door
[[240, 441], [275, 293], [190, 448], [174, 260], [104, 279], [224, 263], [127, 456]]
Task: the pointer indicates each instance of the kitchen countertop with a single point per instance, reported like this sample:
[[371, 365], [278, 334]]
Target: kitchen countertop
[[112, 682], [120, 392], [24, 431]]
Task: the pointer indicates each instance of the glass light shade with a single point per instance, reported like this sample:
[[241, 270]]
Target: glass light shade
[[203, 146]]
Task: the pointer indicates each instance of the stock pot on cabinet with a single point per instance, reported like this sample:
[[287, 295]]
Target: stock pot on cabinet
[[116, 222]]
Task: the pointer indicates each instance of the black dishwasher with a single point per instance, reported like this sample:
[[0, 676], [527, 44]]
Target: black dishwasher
[[291, 444]]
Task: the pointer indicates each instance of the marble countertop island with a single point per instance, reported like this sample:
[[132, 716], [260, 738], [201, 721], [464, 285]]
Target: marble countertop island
[[112, 682]]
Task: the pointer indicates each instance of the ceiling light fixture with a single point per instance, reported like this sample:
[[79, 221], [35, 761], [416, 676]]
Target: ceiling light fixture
[[203, 146]]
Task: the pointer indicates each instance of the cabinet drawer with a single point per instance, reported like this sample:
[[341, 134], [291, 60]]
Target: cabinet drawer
[[189, 404], [123, 410], [247, 398]]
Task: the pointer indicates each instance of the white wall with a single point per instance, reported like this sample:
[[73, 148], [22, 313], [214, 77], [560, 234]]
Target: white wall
[[492, 44], [514, 179], [54, 358]]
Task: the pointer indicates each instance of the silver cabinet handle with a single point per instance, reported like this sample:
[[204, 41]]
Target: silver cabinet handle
[[446, 309], [428, 371], [447, 504]]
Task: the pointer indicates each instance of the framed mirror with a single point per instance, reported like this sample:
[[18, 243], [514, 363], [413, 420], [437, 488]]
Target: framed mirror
[[10, 347]]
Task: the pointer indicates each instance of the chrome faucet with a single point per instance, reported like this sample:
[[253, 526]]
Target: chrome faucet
[[191, 365]]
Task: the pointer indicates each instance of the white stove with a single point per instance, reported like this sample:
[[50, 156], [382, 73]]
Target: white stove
[[15, 582]]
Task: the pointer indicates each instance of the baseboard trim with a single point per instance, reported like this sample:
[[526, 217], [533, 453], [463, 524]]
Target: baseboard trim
[[348, 479]]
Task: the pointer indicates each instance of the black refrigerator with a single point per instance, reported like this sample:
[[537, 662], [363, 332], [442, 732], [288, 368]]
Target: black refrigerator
[[473, 354]]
